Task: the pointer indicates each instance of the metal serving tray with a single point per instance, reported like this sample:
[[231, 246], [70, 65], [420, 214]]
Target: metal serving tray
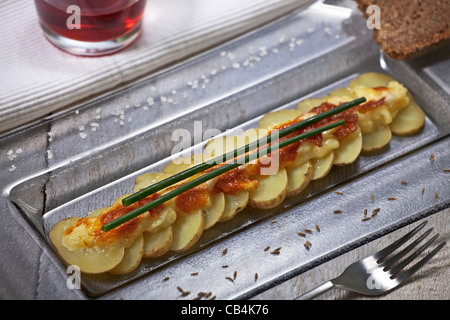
[[75, 162]]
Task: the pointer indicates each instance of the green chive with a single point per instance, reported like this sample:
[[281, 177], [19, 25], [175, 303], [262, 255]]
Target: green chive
[[210, 175], [220, 159]]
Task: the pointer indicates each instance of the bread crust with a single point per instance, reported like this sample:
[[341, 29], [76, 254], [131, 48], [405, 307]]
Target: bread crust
[[410, 28]]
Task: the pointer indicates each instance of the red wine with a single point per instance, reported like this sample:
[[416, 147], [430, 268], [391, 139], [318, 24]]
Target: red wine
[[91, 20]]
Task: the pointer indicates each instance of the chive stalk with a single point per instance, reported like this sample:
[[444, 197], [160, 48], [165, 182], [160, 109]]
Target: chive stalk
[[212, 174], [235, 153]]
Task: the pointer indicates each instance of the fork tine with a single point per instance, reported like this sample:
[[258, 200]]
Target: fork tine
[[389, 262], [405, 275], [391, 248], [405, 262]]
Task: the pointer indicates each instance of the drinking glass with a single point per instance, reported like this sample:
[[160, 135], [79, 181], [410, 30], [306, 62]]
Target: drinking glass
[[91, 27]]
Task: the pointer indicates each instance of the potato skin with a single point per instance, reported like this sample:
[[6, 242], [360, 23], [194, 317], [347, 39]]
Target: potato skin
[[158, 243], [90, 260], [131, 259], [178, 232], [271, 191], [187, 230]]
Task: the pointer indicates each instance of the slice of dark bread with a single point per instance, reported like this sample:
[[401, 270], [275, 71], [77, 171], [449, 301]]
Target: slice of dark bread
[[410, 28]]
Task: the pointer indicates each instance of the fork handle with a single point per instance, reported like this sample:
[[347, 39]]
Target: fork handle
[[317, 291]]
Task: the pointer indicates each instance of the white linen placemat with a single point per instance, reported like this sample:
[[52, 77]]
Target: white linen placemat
[[37, 79]]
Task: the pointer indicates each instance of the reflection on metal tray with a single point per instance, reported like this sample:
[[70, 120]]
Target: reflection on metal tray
[[98, 150]]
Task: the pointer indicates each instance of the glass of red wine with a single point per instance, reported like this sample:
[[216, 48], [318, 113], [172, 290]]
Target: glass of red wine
[[91, 27]]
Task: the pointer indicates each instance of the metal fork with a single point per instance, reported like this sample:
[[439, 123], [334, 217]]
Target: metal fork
[[376, 275]]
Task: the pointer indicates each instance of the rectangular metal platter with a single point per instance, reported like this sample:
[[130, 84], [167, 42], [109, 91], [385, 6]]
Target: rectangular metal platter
[[85, 158]]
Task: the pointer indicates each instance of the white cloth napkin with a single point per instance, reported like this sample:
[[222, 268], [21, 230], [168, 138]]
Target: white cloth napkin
[[37, 79]]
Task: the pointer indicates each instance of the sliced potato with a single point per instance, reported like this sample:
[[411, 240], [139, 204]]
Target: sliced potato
[[181, 164], [97, 212], [377, 139], [271, 190], [158, 243], [307, 104], [187, 230], [298, 178], [225, 144], [346, 92], [409, 120], [131, 259], [165, 218], [349, 149], [322, 166], [147, 179], [119, 200], [336, 97], [234, 203], [371, 80], [214, 212], [276, 118], [89, 260], [168, 215]]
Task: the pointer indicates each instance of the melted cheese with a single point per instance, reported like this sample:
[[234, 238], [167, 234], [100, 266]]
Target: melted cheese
[[87, 233], [395, 99], [308, 150]]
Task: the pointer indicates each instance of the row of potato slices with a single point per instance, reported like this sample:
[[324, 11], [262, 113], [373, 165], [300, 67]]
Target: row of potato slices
[[177, 232]]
